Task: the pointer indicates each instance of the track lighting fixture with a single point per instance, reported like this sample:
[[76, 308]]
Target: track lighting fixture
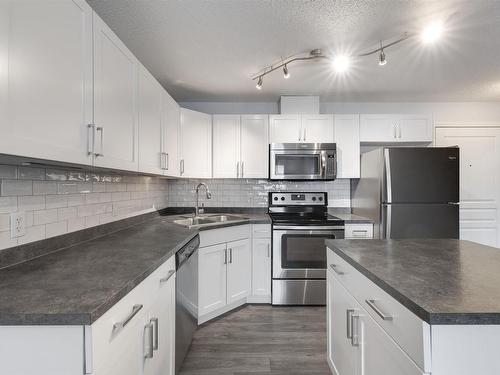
[[259, 83], [381, 58], [341, 63], [286, 73]]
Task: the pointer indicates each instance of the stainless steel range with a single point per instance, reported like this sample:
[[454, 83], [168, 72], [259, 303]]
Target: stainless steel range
[[301, 224]]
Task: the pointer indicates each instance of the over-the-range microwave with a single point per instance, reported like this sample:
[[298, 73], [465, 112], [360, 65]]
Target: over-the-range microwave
[[302, 161]]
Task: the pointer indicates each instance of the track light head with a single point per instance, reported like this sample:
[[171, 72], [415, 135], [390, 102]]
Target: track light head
[[286, 73], [381, 58], [259, 83]]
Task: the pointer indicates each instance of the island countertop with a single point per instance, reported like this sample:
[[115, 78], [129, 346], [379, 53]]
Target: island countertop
[[443, 281]]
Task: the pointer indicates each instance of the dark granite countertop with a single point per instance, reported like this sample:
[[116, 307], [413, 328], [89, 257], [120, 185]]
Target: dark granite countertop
[[442, 281], [351, 218], [77, 285]]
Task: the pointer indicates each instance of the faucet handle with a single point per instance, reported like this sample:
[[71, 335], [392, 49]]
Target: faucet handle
[[202, 209]]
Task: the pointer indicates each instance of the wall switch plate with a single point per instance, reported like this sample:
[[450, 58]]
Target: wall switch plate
[[17, 224]]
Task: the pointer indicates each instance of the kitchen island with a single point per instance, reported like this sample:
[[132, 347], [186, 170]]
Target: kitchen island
[[413, 307]]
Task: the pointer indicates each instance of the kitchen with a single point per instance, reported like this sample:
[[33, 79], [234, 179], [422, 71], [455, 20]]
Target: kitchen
[[298, 205]]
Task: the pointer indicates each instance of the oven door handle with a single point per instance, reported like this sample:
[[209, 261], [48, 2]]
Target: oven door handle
[[308, 227]]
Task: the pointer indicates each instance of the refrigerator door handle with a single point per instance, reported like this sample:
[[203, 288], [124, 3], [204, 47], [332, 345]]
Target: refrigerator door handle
[[385, 230], [388, 182]]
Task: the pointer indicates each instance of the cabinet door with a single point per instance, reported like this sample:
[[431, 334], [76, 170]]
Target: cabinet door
[[378, 128], [239, 274], [317, 128], [150, 121], [345, 357], [285, 128], [382, 355], [211, 278], [261, 267], [414, 129], [115, 93], [46, 62], [226, 146], [254, 146], [348, 146], [196, 144], [171, 125]]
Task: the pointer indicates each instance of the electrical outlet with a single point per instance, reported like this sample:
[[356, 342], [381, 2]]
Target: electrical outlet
[[17, 224]]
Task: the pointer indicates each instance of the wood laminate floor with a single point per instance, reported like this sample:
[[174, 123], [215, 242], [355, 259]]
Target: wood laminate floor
[[261, 340]]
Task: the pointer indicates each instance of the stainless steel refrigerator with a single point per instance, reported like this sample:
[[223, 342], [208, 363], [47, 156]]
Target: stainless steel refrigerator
[[409, 192]]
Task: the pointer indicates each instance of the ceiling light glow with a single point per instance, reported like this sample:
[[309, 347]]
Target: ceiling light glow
[[259, 84], [432, 32], [341, 63]]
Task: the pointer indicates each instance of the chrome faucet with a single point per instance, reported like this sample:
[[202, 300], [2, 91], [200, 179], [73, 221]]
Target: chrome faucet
[[209, 196]]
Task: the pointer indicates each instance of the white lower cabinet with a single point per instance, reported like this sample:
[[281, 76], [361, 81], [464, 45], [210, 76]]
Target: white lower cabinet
[[212, 278], [261, 263], [239, 274]]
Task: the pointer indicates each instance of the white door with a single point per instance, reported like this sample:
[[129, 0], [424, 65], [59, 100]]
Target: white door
[[211, 278], [378, 128], [115, 93], [261, 267], [196, 144], [239, 274], [317, 129], [46, 58], [171, 125], [479, 180], [254, 146], [381, 355], [348, 146], [345, 357], [226, 146], [150, 122], [285, 129], [414, 129]]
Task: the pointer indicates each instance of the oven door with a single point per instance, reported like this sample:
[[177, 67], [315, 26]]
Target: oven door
[[297, 165], [299, 252]]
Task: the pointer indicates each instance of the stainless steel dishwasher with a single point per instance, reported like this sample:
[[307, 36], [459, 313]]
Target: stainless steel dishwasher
[[186, 299]]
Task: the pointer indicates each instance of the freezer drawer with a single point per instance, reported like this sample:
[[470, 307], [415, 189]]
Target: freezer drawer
[[419, 221]]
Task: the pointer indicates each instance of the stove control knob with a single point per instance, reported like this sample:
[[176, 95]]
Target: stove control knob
[[313, 198], [320, 199], [275, 198], [282, 198]]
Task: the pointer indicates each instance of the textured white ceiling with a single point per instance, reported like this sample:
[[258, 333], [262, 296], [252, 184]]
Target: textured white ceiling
[[207, 50]]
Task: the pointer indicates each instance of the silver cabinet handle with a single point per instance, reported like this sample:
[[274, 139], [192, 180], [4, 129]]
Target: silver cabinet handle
[[399, 131], [237, 169], [121, 325], [100, 129], [162, 165], [349, 313], [230, 255], [182, 166], [395, 131], [355, 329], [268, 250], [304, 134], [169, 275], [335, 268], [90, 138], [166, 161], [300, 134], [242, 167], [225, 256], [371, 303], [154, 322], [148, 341]]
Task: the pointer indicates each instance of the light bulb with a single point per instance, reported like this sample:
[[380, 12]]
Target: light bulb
[[286, 73], [432, 32], [259, 83], [341, 63], [381, 59]]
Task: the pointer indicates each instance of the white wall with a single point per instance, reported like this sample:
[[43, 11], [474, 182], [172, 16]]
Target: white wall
[[441, 111]]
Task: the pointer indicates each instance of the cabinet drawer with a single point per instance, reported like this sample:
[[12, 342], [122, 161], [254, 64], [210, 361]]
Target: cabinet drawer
[[115, 350], [410, 332], [359, 231], [261, 231], [216, 236]]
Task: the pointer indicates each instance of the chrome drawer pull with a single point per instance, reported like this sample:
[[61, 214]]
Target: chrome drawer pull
[[355, 329], [154, 322], [334, 267], [121, 325], [349, 313], [169, 275], [148, 341], [371, 303]]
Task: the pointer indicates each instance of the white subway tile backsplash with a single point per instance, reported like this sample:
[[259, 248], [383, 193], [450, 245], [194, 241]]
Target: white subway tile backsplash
[[56, 175], [76, 199], [67, 187], [44, 187], [8, 204], [76, 224], [30, 203], [45, 216], [27, 173], [4, 222], [56, 229], [6, 241], [16, 188], [34, 233], [66, 213], [56, 201], [8, 172]]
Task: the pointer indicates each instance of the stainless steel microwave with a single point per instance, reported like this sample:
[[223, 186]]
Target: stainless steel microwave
[[302, 161]]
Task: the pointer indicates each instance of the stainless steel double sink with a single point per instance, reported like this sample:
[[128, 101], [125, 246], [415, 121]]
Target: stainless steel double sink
[[198, 221]]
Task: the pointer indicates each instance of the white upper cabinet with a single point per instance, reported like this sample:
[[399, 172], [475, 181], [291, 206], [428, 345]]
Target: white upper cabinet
[[254, 146], [395, 128], [46, 58], [301, 128], [115, 107], [285, 128], [150, 123], [226, 146], [348, 146], [240, 146], [195, 144], [317, 128], [171, 125]]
